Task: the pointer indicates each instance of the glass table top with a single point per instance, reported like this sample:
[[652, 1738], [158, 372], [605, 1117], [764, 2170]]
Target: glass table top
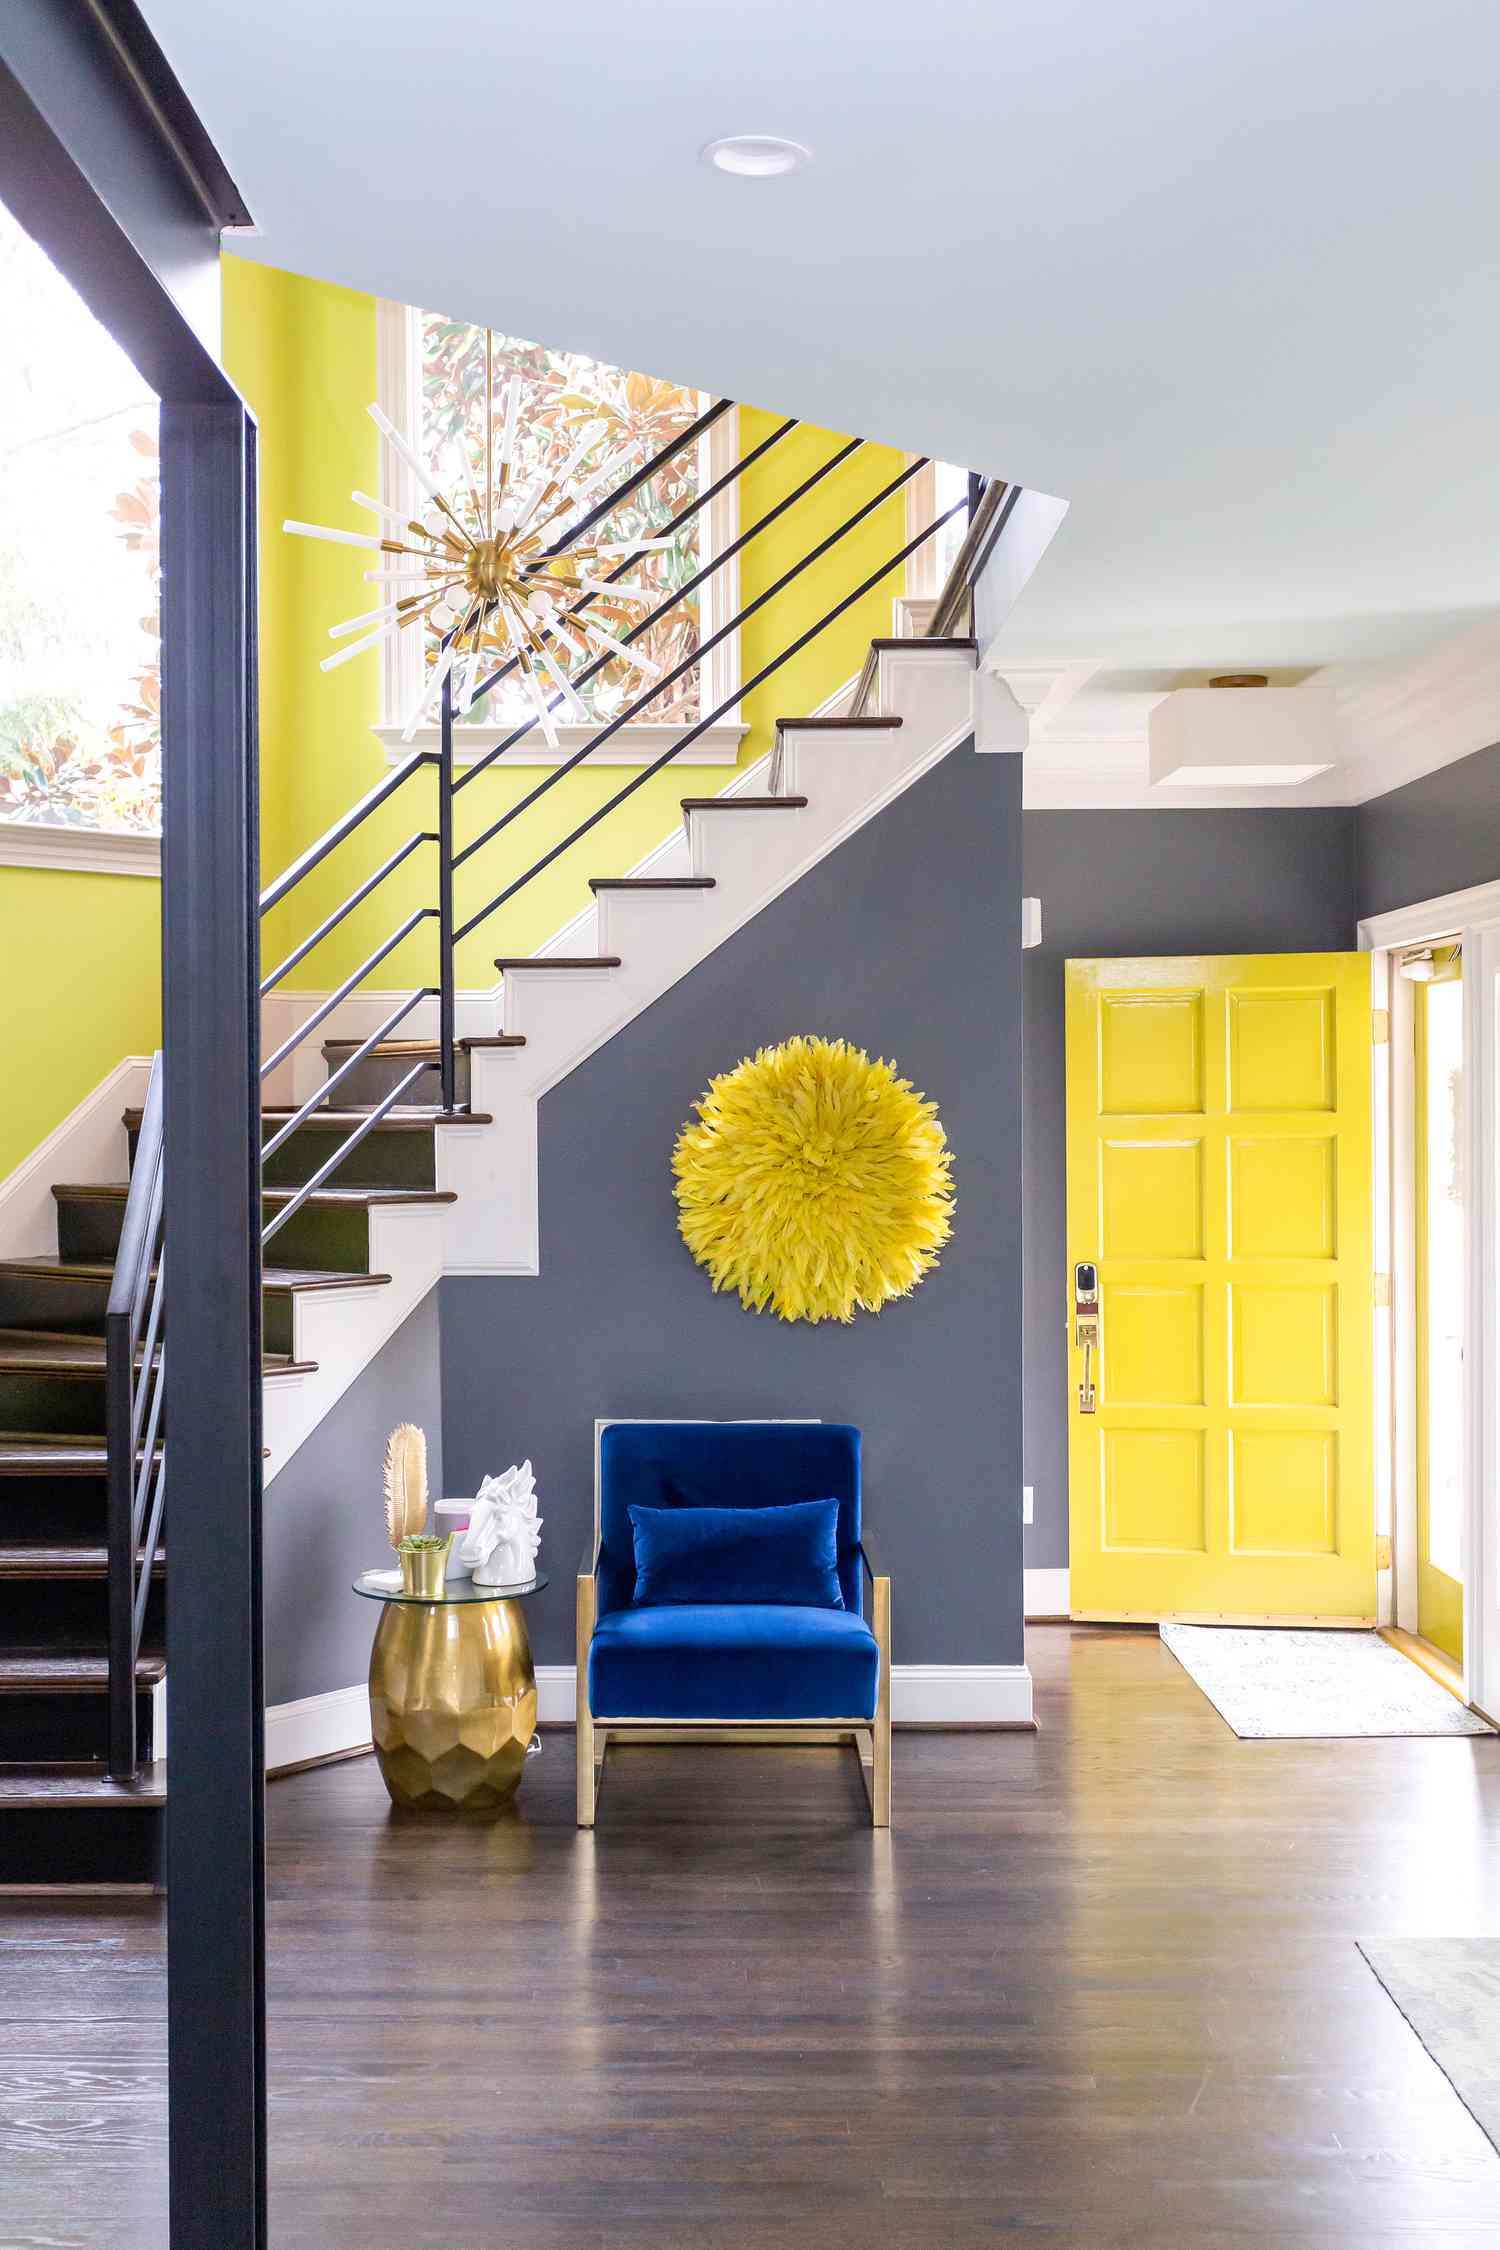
[[454, 1590]]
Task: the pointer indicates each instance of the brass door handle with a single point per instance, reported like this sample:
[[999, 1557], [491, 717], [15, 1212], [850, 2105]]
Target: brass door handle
[[1086, 1338]]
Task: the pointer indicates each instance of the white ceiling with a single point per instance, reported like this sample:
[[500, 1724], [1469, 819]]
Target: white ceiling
[[1222, 273]]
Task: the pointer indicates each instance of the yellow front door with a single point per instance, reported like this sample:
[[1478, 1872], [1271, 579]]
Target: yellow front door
[[1219, 1182]]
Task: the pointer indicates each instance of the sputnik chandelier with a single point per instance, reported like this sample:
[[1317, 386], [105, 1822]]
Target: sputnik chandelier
[[491, 575]]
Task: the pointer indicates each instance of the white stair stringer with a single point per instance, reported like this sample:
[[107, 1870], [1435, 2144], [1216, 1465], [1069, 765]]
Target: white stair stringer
[[567, 1015]]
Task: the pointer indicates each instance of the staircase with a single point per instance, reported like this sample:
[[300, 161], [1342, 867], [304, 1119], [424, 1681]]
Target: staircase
[[410, 1152]]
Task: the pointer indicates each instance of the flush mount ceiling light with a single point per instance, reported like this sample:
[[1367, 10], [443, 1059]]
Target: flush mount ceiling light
[[1241, 734], [756, 156]]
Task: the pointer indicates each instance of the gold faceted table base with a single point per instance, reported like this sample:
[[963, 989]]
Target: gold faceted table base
[[452, 1704]]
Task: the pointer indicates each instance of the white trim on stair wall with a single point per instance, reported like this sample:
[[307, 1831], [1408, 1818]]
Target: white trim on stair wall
[[995, 1697], [89, 1144]]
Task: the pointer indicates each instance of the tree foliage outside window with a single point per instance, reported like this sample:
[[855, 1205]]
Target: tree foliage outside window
[[561, 393], [80, 561]]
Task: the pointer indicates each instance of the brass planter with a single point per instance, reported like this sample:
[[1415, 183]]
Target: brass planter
[[423, 1570], [452, 1704]]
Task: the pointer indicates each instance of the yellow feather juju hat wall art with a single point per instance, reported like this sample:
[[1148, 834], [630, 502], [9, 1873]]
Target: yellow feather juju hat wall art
[[814, 1181]]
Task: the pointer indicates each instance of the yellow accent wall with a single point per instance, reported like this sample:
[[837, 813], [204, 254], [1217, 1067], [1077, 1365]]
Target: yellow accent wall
[[82, 958], [304, 355]]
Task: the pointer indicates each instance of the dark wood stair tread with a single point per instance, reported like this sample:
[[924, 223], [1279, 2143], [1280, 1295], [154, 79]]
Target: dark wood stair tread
[[410, 1050], [31, 1453], [286, 1280], [558, 961], [115, 1191], [743, 804], [911, 645], [826, 725], [924, 641], [651, 882], [81, 1788], [52, 1671], [419, 1118], [28, 1559], [48, 1351], [293, 1280]]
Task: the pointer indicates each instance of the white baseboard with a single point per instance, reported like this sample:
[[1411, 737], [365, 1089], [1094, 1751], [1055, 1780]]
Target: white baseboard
[[983, 1695], [89, 1144], [1047, 1593], [317, 1726]]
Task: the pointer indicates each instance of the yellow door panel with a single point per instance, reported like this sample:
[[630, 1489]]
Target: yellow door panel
[[1283, 1196], [1154, 1490], [1284, 1492], [1284, 1349], [1155, 1344], [1150, 1048], [1219, 1180], [1283, 1050], [1151, 1199]]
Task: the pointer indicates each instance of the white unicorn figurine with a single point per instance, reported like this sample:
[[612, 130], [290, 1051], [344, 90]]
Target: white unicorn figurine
[[505, 1531]]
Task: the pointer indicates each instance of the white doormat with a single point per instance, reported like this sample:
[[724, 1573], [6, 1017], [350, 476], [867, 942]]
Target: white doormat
[[1448, 1989], [1286, 1682]]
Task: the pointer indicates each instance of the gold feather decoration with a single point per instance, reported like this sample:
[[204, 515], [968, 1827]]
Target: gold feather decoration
[[815, 1182], [405, 1483]]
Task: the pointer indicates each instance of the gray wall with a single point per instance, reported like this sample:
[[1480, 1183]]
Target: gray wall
[[1140, 883], [1439, 834], [325, 1521], [905, 941]]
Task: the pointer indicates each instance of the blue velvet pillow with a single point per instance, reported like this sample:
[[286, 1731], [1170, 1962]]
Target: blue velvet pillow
[[784, 1555]]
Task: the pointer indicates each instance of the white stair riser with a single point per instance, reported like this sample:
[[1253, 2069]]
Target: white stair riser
[[843, 769], [634, 922]]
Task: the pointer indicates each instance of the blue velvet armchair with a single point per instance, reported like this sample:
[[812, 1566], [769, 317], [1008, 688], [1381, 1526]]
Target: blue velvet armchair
[[731, 1669]]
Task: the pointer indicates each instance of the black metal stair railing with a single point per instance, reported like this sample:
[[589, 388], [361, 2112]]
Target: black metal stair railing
[[985, 507], [136, 1484]]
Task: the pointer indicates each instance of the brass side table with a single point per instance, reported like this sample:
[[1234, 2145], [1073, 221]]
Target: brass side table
[[452, 1694]]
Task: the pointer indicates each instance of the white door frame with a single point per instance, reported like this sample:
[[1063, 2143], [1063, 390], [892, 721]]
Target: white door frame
[[1473, 916]]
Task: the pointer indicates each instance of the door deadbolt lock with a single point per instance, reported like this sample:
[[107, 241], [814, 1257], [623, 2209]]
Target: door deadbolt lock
[[1086, 1329]]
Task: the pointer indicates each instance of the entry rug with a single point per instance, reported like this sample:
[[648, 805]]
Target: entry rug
[[1448, 1989], [1286, 1682]]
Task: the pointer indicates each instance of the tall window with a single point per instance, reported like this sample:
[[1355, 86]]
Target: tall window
[[435, 368], [80, 646]]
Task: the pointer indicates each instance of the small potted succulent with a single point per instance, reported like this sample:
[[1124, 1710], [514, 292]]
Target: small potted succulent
[[423, 1555]]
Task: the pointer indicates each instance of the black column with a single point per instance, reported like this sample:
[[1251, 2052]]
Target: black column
[[211, 1045]]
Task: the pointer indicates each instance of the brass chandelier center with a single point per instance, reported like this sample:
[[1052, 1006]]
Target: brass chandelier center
[[491, 569]]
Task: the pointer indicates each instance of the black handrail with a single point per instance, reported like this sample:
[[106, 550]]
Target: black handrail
[[987, 519], [685, 513], [668, 679], [355, 817], [351, 983], [332, 921], [133, 1394], [677, 748], [597, 664]]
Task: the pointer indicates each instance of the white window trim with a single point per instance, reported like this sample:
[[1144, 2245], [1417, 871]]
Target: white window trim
[[83, 851], [1473, 916], [398, 376]]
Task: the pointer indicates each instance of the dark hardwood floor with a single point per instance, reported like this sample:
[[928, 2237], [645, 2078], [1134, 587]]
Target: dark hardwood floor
[[1098, 1987]]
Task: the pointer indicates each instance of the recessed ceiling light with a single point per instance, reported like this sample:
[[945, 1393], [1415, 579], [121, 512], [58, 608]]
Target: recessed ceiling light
[[756, 156]]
